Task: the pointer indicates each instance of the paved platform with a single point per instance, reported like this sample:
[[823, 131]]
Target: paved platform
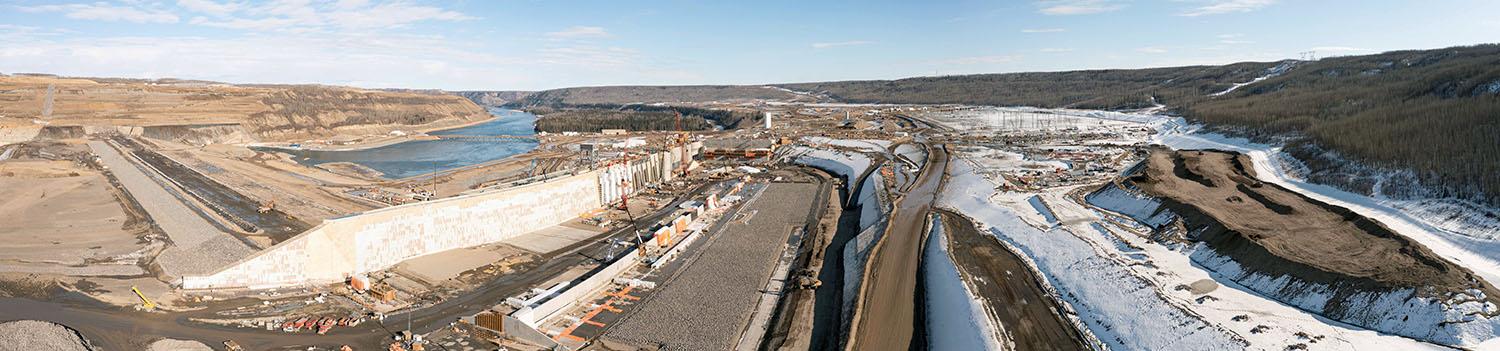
[[553, 238], [708, 304]]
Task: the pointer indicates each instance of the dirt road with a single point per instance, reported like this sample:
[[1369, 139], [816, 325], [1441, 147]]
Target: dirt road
[[884, 318], [1009, 288]]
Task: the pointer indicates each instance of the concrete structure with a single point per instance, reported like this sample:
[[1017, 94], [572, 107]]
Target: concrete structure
[[343, 247], [738, 148]]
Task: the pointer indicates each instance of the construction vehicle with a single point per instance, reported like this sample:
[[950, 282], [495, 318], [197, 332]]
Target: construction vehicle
[[230, 345], [145, 302]]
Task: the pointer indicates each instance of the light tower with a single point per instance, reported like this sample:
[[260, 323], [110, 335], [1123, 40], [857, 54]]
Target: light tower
[[768, 120]]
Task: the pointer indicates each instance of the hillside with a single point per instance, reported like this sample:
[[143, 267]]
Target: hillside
[[1096, 89], [270, 112], [669, 94], [493, 98], [1435, 113]]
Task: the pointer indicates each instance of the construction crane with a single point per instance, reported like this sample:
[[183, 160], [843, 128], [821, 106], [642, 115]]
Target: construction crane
[[682, 139]]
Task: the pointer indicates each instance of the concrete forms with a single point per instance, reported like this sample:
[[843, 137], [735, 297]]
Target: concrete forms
[[739, 148], [629, 176], [375, 240]]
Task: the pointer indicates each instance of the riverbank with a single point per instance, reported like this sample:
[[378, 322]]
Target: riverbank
[[379, 141]]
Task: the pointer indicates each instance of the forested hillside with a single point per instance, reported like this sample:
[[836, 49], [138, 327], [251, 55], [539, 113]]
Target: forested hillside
[[594, 120], [1096, 89], [645, 94], [1434, 112]]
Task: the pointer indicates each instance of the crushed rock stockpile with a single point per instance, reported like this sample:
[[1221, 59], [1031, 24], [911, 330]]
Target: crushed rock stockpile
[[1316, 256], [29, 335]]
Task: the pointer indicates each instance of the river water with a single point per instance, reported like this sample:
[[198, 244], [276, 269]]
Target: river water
[[418, 157]]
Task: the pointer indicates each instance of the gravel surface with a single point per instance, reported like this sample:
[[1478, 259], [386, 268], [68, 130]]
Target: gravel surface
[[31, 335], [708, 304], [178, 345], [199, 247]]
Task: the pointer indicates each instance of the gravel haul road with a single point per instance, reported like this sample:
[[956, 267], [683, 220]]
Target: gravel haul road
[[884, 318]]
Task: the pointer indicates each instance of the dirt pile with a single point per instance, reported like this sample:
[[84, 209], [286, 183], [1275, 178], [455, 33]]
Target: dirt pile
[[1217, 195], [39, 335], [272, 113]]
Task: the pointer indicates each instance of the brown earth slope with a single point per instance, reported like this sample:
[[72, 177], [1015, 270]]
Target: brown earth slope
[[1275, 231], [273, 113]]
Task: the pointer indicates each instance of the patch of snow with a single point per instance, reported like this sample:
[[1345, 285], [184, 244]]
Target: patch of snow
[[1122, 310], [955, 318]]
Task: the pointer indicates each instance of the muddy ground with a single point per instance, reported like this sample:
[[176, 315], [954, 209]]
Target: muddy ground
[[1010, 291], [1257, 223]]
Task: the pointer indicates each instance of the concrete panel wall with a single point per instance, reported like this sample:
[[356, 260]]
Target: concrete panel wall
[[379, 239]]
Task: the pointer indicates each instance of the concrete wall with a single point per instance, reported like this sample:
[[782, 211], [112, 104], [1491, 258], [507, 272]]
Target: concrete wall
[[378, 239], [381, 238]]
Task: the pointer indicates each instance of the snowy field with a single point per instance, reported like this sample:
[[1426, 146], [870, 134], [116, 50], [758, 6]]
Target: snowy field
[[1125, 289], [955, 318], [1021, 119], [1130, 292]]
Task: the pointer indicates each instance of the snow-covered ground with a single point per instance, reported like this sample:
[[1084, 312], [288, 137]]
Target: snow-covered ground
[[956, 320], [865, 145], [1481, 256], [1022, 119], [1130, 292], [1125, 288], [1120, 308]]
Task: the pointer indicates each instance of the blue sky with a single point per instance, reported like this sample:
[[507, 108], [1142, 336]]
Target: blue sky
[[534, 44]]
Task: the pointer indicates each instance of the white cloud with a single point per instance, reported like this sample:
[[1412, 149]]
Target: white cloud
[[841, 43], [1152, 50], [1233, 39], [107, 12], [306, 16], [209, 7], [1054, 50], [1043, 30], [580, 32], [981, 60], [1227, 6], [1077, 7]]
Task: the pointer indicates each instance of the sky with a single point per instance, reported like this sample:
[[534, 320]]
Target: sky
[[544, 44]]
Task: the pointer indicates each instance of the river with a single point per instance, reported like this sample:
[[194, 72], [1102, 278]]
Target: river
[[418, 157]]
